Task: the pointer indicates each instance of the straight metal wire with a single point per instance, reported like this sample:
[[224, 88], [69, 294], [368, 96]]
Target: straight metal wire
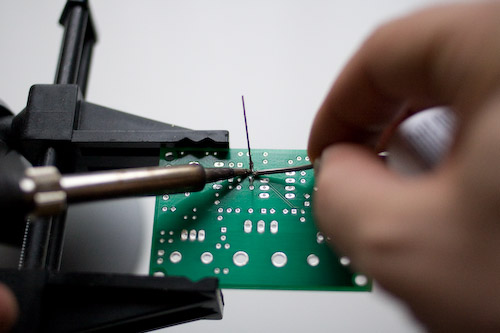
[[246, 130], [256, 173], [282, 170]]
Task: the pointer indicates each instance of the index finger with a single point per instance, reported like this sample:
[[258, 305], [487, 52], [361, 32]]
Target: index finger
[[434, 57]]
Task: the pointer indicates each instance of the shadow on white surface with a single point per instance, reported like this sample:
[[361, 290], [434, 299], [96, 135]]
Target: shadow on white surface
[[104, 237]]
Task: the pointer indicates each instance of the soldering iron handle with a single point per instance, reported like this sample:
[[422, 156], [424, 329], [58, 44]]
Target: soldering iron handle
[[133, 182]]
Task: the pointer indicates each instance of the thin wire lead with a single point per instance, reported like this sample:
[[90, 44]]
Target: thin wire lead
[[282, 170], [246, 130], [256, 173]]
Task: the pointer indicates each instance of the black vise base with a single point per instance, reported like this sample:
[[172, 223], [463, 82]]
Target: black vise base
[[85, 302]]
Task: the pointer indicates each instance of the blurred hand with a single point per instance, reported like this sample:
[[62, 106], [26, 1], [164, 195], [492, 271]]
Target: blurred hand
[[432, 240], [8, 309]]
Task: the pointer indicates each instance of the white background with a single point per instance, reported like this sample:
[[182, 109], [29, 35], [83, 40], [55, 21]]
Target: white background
[[188, 63]]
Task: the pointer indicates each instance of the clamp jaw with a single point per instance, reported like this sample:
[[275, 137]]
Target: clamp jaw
[[58, 128]]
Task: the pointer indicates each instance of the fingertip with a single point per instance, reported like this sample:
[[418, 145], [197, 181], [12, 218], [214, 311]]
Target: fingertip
[[336, 151], [352, 186], [347, 168], [9, 309], [360, 158]]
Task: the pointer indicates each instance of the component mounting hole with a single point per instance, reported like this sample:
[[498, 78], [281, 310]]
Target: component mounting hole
[[175, 257], [240, 258], [279, 259]]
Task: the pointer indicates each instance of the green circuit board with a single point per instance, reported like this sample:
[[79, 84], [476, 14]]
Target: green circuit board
[[249, 233]]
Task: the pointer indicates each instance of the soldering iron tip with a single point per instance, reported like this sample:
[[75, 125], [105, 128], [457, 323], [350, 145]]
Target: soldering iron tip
[[242, 172]]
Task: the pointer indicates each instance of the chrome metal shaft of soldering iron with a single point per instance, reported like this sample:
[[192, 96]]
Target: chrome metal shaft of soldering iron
[[143, 181]]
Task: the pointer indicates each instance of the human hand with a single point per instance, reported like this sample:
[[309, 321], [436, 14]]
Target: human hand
[[8, 309], [432, 240]]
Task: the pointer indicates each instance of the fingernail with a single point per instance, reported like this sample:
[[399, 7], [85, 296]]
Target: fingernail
[[316, 166]]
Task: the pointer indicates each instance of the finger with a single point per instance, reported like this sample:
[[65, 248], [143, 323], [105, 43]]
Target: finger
[[355, 193], [435, 57], [8, 309]]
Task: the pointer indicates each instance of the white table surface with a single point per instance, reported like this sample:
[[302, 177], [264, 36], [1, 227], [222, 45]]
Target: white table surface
[[188, 63]]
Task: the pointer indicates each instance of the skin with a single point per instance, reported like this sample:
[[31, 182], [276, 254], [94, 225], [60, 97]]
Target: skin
[[432, 240], [8, 309]]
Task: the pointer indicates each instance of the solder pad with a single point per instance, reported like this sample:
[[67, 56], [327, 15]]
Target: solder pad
[[251, 234]]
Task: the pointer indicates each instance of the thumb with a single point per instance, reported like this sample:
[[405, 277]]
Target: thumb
[[354, 190]]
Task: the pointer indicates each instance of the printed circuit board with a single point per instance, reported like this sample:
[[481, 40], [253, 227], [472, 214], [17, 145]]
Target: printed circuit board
[[250, 233]]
